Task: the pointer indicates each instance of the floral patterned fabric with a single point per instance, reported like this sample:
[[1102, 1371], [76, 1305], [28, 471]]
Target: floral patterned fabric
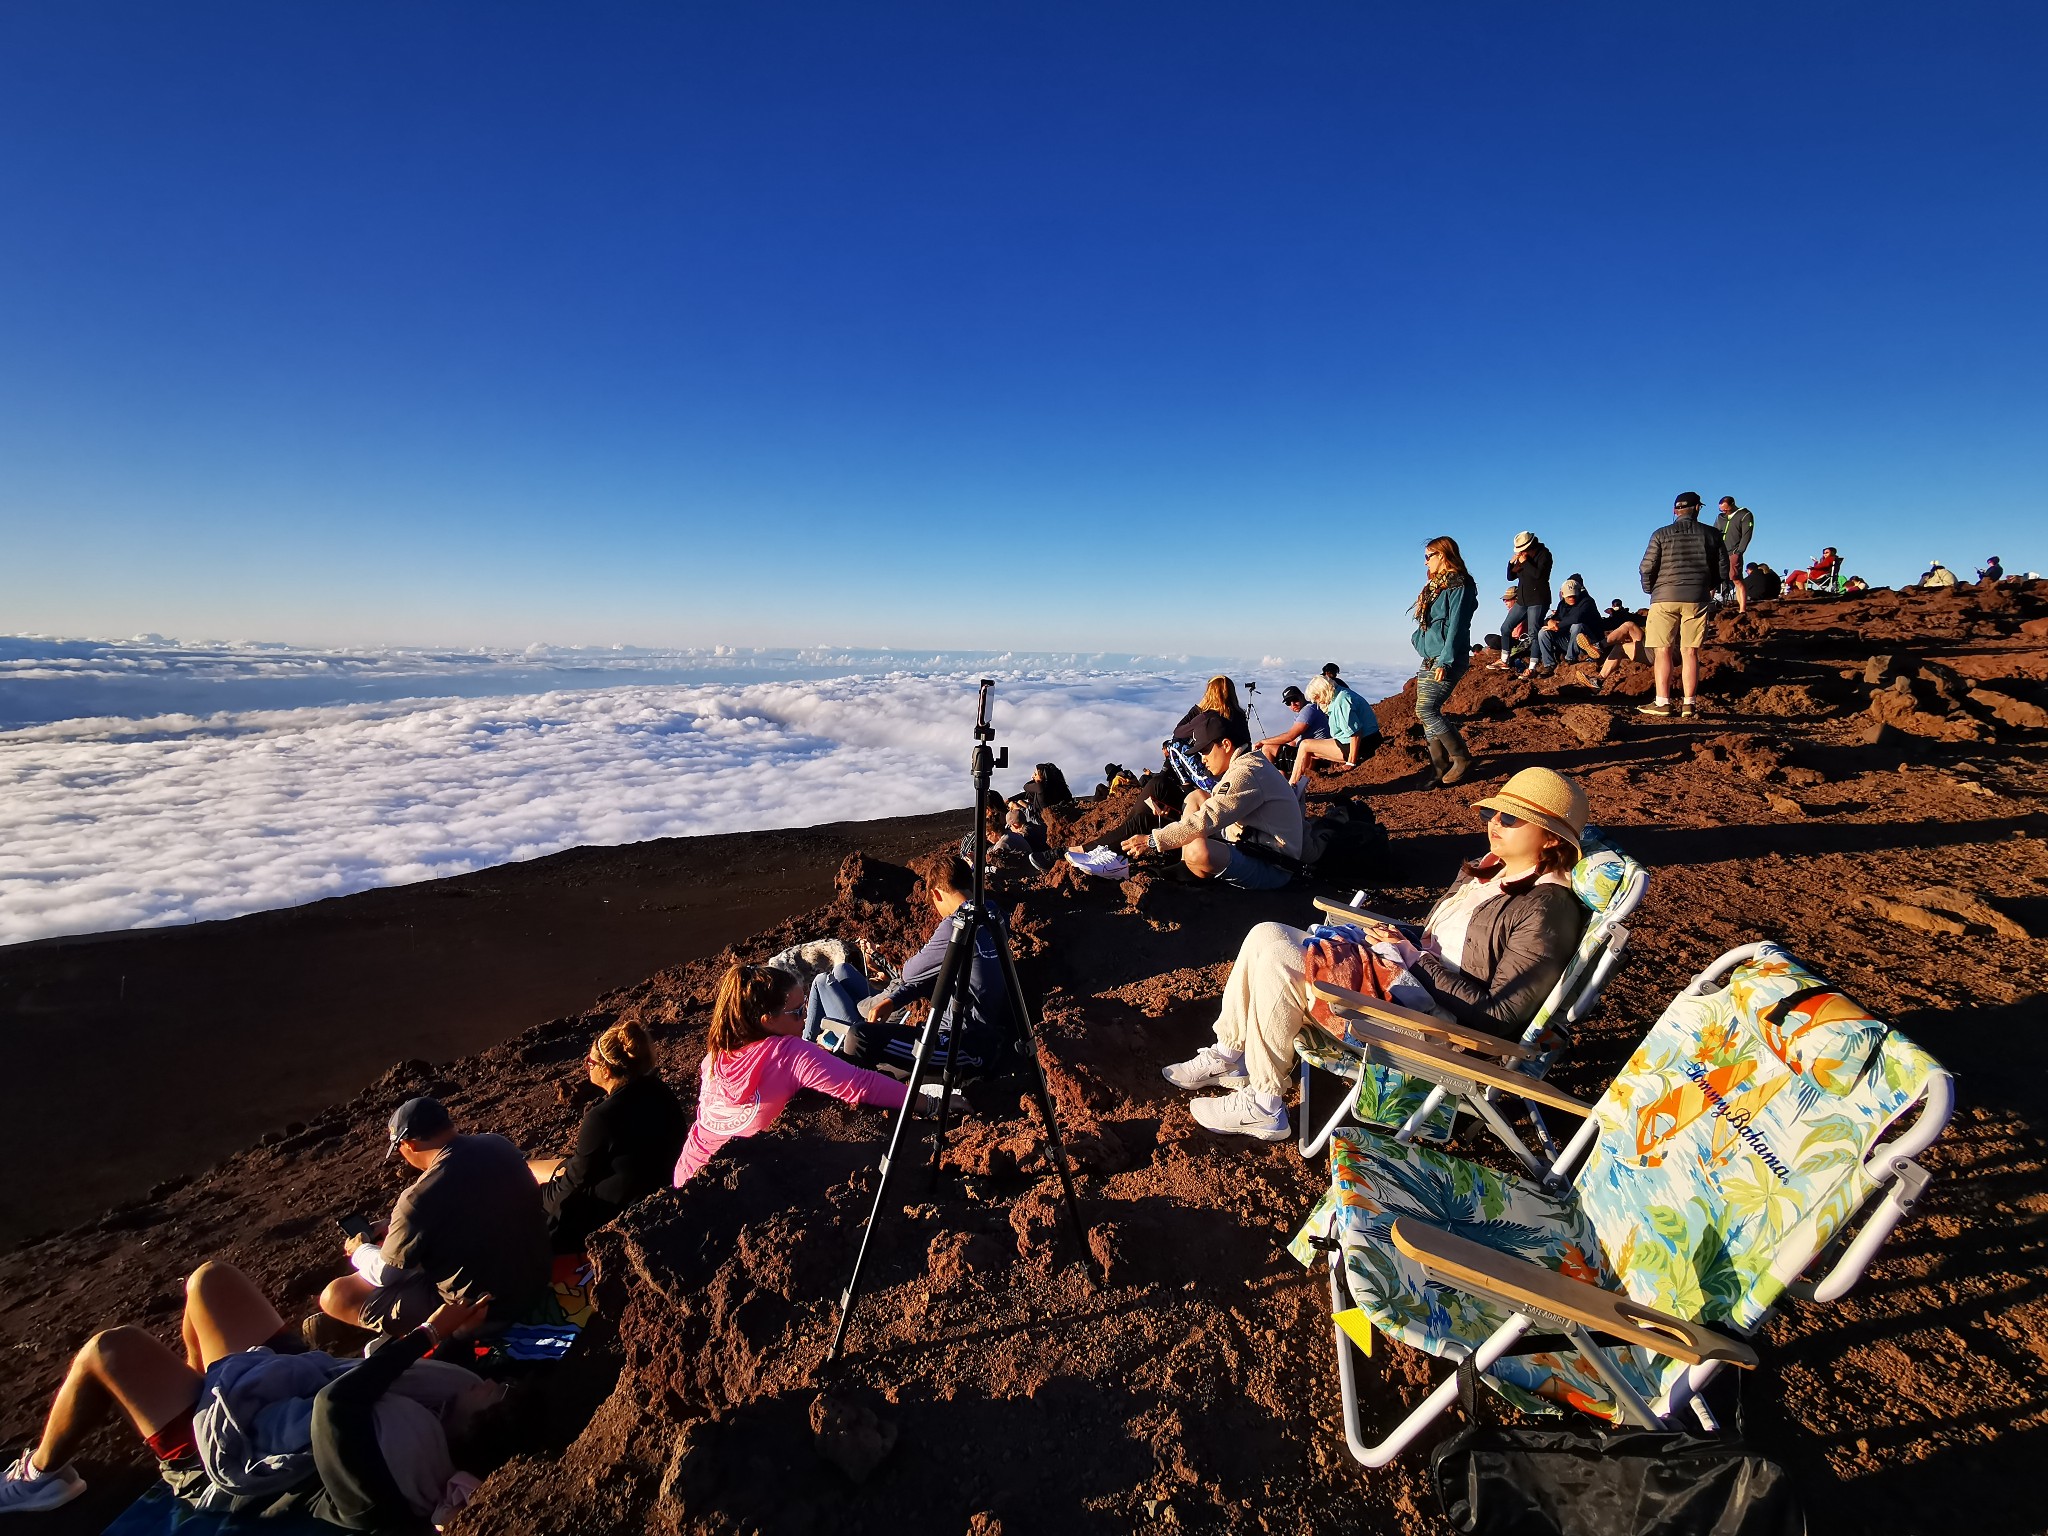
[[1730, 1151]]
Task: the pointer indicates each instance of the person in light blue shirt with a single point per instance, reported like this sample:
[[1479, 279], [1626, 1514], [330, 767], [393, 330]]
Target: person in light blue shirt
[[1310, 724], [1354, 729]]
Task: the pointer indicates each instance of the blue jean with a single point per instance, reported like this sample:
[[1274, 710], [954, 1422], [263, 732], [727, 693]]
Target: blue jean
[[1531, 619], [1555, 645], [835, 998], [1429, 700]]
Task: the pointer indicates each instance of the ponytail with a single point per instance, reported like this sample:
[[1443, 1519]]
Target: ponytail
[[747, 994]]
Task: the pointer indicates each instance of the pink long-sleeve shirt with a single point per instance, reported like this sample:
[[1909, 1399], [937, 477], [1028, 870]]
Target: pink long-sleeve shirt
[[742, 1091]]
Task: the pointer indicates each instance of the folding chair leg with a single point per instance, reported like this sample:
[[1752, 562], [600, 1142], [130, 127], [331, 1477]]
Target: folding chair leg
[[1412, 1126], [1485, 1109], [1310, 1146], [1429, 1409]]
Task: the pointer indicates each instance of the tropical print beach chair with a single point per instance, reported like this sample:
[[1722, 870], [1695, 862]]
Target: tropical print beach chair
[[1422, 1099], [1743, 1136]]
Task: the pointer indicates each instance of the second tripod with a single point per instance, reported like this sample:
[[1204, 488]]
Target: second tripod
[[974, 920]]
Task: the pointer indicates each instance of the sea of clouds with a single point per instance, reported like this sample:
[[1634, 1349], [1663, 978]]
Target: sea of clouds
[[146, 782]]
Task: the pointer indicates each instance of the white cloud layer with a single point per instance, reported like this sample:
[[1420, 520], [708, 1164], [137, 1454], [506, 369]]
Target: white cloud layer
[[131, 821]]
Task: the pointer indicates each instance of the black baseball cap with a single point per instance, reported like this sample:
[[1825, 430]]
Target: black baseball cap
[[416, 1120], [1686, 499], [1208, 729], [1292, 695]]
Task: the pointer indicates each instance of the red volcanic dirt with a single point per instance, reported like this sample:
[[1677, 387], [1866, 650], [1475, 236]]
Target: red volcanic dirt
[[1867, 787]]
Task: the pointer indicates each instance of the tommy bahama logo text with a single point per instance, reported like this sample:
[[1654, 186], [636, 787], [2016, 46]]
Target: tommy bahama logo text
[[1738, 1120]]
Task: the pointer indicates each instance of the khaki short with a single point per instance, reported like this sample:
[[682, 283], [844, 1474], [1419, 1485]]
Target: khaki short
[[1680, 624]]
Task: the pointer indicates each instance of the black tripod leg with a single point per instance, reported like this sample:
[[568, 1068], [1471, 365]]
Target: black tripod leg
[[949, 971], [1027, 1039], [966, 938]]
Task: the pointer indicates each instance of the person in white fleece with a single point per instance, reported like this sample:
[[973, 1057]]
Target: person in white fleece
[[1251, 805]]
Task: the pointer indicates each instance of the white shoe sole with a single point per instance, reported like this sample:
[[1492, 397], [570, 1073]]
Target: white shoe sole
[[1222, 1080], [1255, 1132]]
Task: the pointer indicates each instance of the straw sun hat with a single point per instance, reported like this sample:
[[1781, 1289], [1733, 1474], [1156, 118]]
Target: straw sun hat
[[1549, 799]]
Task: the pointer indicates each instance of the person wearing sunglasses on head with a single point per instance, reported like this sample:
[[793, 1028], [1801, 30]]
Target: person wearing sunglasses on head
[[755, 1060], [1488, 954], [627, 1145]]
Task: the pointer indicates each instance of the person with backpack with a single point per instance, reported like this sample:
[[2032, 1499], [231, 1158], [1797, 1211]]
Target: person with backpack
[[1680, 571], [1736, 525], [1529, 570], [1486, 956], [1443, 639]]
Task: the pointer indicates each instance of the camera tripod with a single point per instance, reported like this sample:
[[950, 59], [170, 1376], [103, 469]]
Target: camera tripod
[[972, 917]]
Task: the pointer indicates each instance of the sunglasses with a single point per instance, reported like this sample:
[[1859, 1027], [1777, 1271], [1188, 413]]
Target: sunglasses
[[1507, 819]]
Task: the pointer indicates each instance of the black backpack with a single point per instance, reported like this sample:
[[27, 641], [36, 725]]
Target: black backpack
[[1346, 845]]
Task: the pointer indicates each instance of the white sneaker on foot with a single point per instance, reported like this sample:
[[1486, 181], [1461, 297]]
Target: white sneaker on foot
[[1210, 1067], [1241, 1114], [23, 1488]]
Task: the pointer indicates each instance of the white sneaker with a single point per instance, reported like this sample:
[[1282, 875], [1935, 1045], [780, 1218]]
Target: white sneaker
[[1210, 1067], [1241, 1114], [24, 1489]]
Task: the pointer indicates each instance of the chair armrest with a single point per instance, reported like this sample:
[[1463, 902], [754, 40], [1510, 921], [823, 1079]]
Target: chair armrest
[[1477, 1267], [1427, 1054], [1478, 1041]]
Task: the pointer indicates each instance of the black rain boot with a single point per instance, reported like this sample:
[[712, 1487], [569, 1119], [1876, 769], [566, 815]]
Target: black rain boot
[[1460, 756], [1439, 758]]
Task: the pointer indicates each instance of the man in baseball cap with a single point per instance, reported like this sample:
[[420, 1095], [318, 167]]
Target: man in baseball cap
[[471, 1228], [1310, 724], [1251, 806], [1681, 569]]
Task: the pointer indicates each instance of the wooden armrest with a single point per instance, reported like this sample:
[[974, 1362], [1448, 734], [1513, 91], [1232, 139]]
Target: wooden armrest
[[1345, 914], [1477, 1041], [1426, 1054], [1464, 1262]]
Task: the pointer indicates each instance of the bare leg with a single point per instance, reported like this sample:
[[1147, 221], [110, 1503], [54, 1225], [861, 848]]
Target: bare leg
[[1308, 751], [224, 1314], [1205, 856], [343, 1299], [1691, 663], [1663, 667], [122, 1368], [542, 1168]]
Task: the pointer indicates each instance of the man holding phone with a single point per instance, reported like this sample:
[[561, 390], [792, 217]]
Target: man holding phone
[[471, 1226]]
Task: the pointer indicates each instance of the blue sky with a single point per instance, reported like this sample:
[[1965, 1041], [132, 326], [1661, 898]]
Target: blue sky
[[1137, 327]]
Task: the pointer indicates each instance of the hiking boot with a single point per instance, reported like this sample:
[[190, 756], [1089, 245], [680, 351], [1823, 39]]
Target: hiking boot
[[24, 1489], [1439, 757], [1654, 709], [1241, 1114], [332, 1335], [1687, 710], [1459, 754], [1210, 1067]]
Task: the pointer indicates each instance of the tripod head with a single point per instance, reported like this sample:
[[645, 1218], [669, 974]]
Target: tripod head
[[985, 732]]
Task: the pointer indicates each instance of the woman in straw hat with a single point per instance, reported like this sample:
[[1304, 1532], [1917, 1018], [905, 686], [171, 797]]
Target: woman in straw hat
[[1487, 955]]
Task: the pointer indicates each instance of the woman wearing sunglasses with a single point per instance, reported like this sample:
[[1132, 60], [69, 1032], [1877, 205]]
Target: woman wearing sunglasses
[[1488, 954], [626, 1145], [755, 1060]]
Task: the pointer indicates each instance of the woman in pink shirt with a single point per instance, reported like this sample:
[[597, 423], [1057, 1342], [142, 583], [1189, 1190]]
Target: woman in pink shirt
[[755, 1059]]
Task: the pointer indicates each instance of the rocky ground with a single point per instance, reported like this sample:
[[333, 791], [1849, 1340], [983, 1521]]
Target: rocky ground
[[1867, 787]]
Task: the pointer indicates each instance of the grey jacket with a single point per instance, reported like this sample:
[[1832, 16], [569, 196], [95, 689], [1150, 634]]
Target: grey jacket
[[1251, 802], [1735, 529], [1516, 948], [1685, 562]]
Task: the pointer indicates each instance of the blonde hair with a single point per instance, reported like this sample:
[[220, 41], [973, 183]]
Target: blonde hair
[[747, 995], [1321, 690], [625, 1051], [1221, 696]]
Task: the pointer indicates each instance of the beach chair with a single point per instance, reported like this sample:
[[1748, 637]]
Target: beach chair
[[1422, 1099], [1746, 1133]]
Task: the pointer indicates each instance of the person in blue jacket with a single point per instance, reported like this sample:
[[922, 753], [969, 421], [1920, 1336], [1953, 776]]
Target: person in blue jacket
[[1443, 639], [1576, 614]]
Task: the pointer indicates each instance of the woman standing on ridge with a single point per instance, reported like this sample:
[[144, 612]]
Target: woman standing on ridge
[[1443, 639]]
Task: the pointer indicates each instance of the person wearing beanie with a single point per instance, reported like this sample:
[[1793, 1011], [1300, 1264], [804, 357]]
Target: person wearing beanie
[[1680, 571], [1486, 956]]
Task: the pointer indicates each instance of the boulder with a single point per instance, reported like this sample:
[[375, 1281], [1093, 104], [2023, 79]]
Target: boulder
[[1590, 723], [2008, 710]]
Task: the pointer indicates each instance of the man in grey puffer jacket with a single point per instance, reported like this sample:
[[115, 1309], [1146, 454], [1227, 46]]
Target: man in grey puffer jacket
[[1681, 569]]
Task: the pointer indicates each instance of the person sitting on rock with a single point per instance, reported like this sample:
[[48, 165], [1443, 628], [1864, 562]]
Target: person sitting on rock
[[1576, 615], [1991, 571], [1624, 642], [1164, 799], [471, 1225], [1021, 838], [756, 1059], [1354, 729], [1488, 954], [1824, 575], [1310, 724], [1760, 583], [248, 1421], [1855, 584], [1251, 806], [1937, 575], [1219, 697], [1513, 639], [982, 1014], [627, 1145]]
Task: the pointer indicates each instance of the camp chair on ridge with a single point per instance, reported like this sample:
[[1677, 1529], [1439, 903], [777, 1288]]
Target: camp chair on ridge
[[1422, 1098], [1745, 1134]]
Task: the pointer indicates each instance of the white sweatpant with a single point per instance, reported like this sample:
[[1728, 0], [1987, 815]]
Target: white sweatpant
[[1263, 1005]]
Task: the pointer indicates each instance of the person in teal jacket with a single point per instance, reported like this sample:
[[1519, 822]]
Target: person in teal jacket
[[1443, 639], [1354, 729]]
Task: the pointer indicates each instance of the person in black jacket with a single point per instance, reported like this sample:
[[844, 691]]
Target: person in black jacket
[[1529, 570], [1680, 571], [397, 1477], [626, 1147], [1577, 614]]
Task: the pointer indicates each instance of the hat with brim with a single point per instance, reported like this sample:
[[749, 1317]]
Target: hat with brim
[[1549, 799], [1524, 539], [416, 1120]]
